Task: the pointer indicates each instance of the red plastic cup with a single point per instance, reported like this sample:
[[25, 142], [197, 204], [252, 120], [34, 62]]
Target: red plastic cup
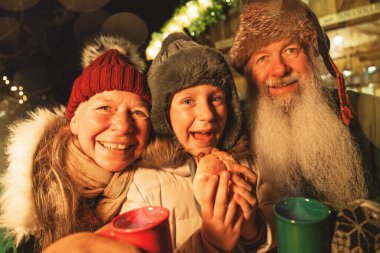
[[145, 227]]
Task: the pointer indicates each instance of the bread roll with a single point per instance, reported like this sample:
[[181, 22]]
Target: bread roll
[[211, 164]]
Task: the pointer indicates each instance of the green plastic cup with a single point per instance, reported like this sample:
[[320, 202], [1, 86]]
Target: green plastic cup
[[302, 226]]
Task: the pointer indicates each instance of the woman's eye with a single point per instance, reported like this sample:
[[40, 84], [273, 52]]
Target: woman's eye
[[104, 108], [138, 114]]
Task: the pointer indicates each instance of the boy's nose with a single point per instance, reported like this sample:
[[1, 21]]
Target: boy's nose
[[206, 112]]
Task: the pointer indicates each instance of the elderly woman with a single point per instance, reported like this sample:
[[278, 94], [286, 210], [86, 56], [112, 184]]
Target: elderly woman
[[70, 168]]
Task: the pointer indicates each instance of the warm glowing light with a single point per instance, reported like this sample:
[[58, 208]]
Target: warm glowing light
[[371, 69], [21, 101], [151, 52], [157, 44], [338, 40], [347, 73], [20, 88], [7, 82], [25, 98], [205, 3], [174, 28], [192, 11], [21, 93], [5, 78], [13, 88], [184, 20]]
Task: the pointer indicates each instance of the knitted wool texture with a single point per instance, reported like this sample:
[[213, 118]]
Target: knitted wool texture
[[110, 71]]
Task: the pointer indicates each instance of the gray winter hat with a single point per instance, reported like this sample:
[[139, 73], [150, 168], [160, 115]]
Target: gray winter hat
[[181, 64]]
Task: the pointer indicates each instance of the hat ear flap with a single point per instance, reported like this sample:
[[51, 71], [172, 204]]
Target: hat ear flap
[[324, 48], [322, 40]]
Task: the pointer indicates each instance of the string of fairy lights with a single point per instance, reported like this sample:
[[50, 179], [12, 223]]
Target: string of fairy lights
[[18, 90], [194, 16]]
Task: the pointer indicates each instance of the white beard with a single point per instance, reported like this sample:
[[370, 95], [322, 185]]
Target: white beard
[[299, 141]]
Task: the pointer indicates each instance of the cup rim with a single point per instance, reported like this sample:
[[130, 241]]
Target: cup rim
[[327, 214], [145, 227]]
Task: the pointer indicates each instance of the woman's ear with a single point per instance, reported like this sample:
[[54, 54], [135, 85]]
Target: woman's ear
[[74, 124]]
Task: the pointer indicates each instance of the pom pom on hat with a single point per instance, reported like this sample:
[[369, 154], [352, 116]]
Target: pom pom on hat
[[104, 43], [110, 63]]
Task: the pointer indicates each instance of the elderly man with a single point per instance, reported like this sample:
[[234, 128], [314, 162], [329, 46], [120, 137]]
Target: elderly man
[[307, 140], [303, 144]]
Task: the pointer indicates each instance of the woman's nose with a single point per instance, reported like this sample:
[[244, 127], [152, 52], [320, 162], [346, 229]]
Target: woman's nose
[[123, 123]]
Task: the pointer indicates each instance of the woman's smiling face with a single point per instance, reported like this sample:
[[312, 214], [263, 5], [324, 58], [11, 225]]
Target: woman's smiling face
[[198, 117], [113, 128]]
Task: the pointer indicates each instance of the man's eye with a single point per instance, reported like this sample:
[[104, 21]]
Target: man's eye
[[261, 59], [291, 51]]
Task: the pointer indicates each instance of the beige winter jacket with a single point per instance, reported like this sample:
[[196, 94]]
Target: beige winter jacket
[[172, 189]]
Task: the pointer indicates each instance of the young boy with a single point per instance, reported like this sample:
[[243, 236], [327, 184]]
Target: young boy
[[195, 108]]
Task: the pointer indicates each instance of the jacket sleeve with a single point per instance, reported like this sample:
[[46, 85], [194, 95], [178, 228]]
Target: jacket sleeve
[[267, 243], [366, 129]]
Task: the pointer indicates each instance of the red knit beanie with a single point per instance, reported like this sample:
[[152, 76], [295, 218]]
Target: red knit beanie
[[110, 71]]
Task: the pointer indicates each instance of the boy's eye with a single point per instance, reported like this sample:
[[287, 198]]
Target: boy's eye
[[187, 101], [217, 99]]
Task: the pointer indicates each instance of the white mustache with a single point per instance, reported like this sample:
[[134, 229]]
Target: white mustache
[[283, 81]]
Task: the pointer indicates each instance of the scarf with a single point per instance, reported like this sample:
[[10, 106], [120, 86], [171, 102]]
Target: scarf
[[94, 181]]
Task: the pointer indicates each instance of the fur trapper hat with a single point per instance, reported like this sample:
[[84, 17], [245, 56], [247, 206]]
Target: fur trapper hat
[[266, 21], [181, 64], [109, 63]]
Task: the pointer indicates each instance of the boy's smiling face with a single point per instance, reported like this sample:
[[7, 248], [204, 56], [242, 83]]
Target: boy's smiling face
[[112, 128], [198, 117]]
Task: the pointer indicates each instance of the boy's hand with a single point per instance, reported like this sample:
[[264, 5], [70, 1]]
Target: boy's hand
[[244, 195], [221, 218]]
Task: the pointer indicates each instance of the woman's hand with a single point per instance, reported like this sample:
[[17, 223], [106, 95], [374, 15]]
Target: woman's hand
[[221, 218]]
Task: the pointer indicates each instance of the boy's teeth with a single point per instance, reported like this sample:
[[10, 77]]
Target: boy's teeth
[[113, 146]]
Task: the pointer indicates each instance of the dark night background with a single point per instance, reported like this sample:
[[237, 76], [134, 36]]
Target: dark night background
[[43, 54]]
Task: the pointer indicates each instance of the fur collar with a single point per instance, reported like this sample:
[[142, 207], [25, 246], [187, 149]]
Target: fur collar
[[17, 205]]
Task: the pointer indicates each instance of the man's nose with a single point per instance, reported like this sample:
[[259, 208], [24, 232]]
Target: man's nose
[[122, 123], [279, 67]]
